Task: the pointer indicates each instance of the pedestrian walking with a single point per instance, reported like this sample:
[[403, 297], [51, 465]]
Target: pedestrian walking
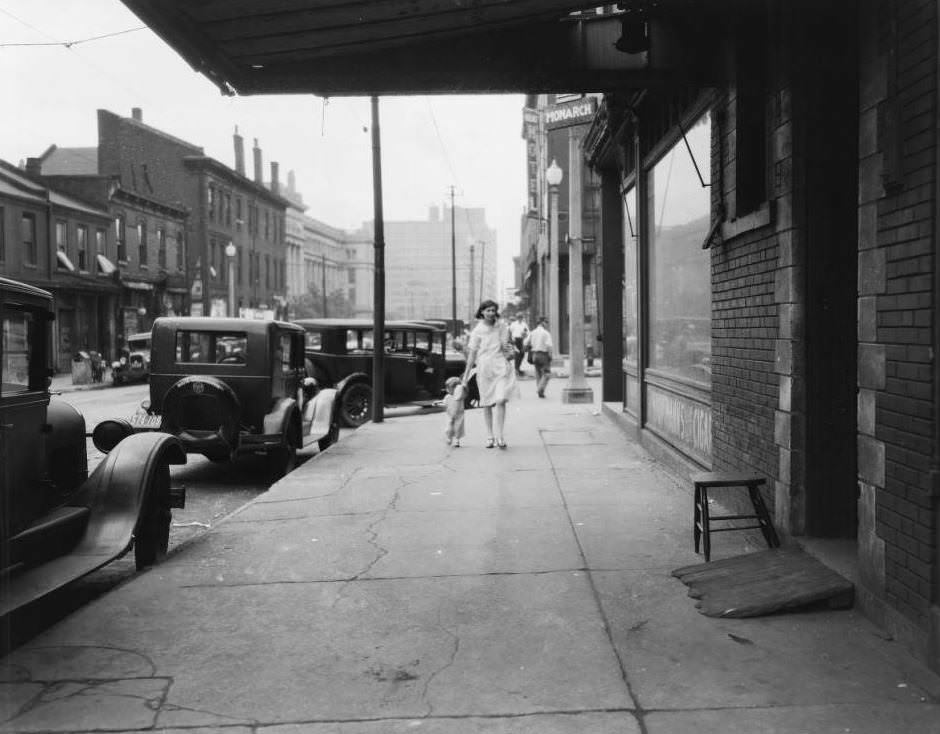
[[454, 408], [518, 331], [540, 349], [491, 351]]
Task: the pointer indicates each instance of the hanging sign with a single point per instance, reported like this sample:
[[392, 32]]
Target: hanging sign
[[576, 112]]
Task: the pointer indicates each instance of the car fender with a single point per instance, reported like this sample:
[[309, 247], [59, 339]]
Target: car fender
[[65, 446], [320, 414], [119, 487], [351, 378], [280, 418]]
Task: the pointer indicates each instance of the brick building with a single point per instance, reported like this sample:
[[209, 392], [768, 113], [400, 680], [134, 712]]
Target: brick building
[[224, 205], [59, 242], [148, 253], [774, 220]]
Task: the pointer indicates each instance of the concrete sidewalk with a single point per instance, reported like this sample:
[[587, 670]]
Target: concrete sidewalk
[[396, 584]]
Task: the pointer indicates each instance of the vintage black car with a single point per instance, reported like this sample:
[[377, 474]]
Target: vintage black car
[[228, 387], [57, 523], [134, 363], [340, 354]]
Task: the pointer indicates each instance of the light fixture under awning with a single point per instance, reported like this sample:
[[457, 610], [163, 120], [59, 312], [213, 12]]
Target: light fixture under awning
[[212, 271], [64, 261], [105, 266]]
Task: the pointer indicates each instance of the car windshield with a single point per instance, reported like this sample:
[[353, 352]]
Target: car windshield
[[211, 347], [138, 343]]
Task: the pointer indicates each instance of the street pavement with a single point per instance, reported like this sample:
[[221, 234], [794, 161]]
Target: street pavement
[[396, 584]]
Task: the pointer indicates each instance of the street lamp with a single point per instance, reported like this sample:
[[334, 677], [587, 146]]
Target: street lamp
[[230, 252], [578, 390], [553, 176]]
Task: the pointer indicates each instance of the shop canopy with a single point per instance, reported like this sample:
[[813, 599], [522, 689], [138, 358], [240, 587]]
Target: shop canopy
[[333, 48]]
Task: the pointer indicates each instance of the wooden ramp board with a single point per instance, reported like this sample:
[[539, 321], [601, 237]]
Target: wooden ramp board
[[764, 582]]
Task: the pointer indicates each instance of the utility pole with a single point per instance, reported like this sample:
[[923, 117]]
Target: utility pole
[[378, 317], [482, 271], [470, 288], [323, 286], [453, 266]]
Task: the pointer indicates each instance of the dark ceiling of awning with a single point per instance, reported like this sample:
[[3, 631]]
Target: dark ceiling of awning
[[362, 47]]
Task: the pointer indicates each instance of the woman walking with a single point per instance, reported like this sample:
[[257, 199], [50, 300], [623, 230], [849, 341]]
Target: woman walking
[[490, 350]]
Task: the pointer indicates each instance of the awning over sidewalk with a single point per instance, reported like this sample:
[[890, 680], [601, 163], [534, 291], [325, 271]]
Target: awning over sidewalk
[[409, 46]]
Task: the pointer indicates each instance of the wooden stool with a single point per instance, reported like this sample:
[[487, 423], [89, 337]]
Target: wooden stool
[[701, 526]]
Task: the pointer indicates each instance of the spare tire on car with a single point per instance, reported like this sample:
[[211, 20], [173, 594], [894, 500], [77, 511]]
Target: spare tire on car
[[203, 409]]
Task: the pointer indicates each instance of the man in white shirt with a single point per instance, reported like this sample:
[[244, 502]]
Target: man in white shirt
[[518, 331], [540, 344]]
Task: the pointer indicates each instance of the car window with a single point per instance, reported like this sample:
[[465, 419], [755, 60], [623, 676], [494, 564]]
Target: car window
[[313, 340], [397, 341], [138, 344], [211, 347], [16, 351], [284, 352], [423, 341], [358, 340]]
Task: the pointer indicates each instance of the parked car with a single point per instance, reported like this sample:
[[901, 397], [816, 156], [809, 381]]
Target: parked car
[[58, 523], [134, 362], [229, 387], [340, 354]]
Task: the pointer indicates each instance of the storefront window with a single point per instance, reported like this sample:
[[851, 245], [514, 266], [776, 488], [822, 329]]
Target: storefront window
[[630, 235], [680, 284]]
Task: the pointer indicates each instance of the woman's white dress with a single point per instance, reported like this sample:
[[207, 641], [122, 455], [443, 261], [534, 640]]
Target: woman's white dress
[[496, 375]]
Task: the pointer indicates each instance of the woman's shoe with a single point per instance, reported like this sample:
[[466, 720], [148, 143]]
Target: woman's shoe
[[501, 443], [490, 442]]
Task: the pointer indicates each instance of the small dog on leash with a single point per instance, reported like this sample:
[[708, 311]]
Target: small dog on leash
[[454, 408]]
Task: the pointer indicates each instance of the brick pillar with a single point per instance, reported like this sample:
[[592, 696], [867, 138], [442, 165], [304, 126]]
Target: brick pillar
[[789, 348]]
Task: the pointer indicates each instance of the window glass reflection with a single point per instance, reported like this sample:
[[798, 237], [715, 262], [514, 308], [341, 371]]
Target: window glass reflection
[[680, 286], [630, 351]]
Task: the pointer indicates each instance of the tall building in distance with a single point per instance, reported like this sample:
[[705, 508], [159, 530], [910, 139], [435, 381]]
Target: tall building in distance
[[418, 264]]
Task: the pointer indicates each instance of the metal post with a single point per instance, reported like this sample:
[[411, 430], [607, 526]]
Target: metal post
[[482, 271], [453, 267], [323, 287], [577, 391], [231, 286], [378, 325], [230, 253], [470, 288], [554, 311]]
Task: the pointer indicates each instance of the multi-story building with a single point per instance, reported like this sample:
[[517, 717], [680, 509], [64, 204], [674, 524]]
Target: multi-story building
[[422, 257], [56, 241], [149, 253]]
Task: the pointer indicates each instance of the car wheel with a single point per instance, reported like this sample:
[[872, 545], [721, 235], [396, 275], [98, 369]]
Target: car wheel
[[152, 537], [355, 405], [283, 460], [330, 438]]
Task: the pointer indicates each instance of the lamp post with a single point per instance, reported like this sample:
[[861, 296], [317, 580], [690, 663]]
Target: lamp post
[[553, 176], [577, 391], [230, 252]]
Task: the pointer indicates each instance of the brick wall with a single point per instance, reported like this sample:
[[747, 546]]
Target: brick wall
[[896, 308], [745, 385]]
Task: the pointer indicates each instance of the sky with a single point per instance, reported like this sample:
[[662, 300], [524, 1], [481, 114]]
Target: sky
[[52, 92]]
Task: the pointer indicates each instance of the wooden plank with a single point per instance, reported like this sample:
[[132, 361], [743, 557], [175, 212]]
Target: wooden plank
[[764, 582]]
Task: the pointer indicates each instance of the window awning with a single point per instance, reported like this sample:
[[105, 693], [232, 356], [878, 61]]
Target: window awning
[[64, 261], [104, 265]]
